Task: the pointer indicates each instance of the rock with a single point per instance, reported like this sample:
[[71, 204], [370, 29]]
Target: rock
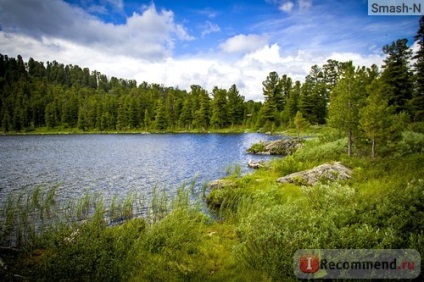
[[336, 171], [220, 183], [255, 165], [282, 147]]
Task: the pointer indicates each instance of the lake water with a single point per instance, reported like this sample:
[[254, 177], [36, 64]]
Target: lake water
[[118, 164]]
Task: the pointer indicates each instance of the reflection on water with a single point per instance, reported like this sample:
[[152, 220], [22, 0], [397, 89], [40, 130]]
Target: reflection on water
[[118, 164]]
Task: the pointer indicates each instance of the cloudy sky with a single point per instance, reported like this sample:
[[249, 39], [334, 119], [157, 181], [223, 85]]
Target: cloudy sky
[[210, 43]]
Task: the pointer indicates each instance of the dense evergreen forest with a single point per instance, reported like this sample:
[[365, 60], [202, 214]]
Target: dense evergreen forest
[[348, 97]]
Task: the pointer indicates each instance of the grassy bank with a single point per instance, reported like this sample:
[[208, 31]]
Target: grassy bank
[[254, 230]]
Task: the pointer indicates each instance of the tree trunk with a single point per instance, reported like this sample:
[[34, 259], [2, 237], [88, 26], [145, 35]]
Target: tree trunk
[[349, 143], [373, 148]]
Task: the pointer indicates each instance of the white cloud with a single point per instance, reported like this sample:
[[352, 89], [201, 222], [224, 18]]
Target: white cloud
[[304, 4], [244, 43], [247, 72], [287, 6], [97, 9], [210, 13], [209, 27], [142, 47], [150, 34], [119, 4]]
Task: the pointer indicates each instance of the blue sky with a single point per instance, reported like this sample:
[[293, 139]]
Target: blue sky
[[210, 43]]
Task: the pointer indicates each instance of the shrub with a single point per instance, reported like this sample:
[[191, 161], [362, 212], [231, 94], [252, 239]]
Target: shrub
[[170, 250], [411, 143], [257, 148], [315, 151]]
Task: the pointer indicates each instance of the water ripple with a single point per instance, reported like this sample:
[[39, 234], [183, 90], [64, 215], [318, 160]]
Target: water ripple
[[118, 164]]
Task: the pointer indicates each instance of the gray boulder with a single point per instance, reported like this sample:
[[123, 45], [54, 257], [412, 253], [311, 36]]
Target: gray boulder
[[282, 147], [336, 171], [220, 183]]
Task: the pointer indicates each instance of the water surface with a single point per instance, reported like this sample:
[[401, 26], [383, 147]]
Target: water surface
[[118, 164]]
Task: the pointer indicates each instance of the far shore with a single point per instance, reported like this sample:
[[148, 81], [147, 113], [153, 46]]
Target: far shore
[[75, 131]]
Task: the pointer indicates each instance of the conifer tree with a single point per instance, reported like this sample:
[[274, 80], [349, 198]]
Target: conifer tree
[[397, 75], [235, 106], [219, 117], [347, 99], [161, 121], [418, 97], [376, 117], [202, 115], [186, 117], [273, 103], [300, 122]]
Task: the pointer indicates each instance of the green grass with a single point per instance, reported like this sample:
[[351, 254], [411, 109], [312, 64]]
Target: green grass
[[254, 229]]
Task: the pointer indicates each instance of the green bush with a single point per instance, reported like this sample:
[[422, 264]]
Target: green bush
[[417, 127], [170, 250], [316, 152], [256, 148], [91, 252], [411, 143]]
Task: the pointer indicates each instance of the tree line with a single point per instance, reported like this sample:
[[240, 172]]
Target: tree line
[[34, 95], [345, 96]]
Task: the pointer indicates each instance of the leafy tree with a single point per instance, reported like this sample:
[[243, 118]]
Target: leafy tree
[[397, 75], [418, 98]]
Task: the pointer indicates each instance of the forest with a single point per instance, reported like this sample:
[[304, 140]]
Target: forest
[[35, 95]]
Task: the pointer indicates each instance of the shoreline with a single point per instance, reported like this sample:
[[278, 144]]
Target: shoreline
[[73, 131]]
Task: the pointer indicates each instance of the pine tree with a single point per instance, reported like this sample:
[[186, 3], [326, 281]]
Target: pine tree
[[397, 75], [300, 122], [202, 115], [346, 100], [219, 117], [122, 115], [376, 116], [273, 103], [186, 117], [418, 98], [146, 120], [292, 106], [161, 121], [82, 119], [51, 118], [306, 102], [235, 106]]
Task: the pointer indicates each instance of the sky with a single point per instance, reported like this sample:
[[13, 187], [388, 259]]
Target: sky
[[209, 43]]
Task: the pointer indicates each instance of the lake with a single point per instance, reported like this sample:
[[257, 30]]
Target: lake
[[118, 164]]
